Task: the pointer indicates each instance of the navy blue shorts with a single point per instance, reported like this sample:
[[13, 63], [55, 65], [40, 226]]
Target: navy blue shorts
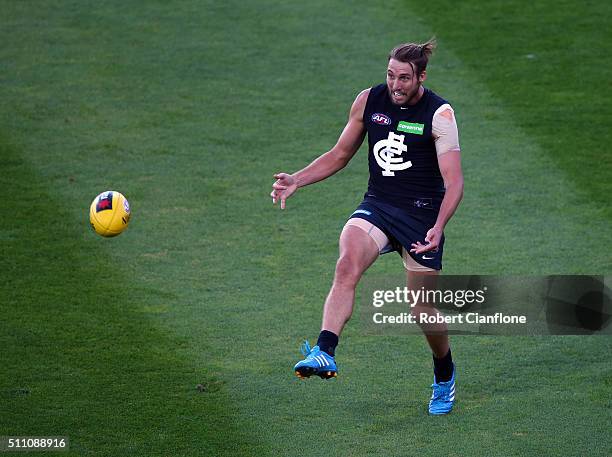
[[404, 226]]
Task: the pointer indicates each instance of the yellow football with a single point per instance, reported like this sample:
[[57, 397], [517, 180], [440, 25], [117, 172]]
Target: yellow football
[[109, 213]]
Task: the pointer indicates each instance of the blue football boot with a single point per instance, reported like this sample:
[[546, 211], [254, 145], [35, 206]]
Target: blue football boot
[[443, 396], [316, 362]]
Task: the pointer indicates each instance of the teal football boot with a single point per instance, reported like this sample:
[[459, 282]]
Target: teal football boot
[[443, 396], [317, 363]]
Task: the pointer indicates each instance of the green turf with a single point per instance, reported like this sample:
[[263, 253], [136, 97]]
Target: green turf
[[189, 108]]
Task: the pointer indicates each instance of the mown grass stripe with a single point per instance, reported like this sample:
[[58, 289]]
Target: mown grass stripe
[[79, 357]]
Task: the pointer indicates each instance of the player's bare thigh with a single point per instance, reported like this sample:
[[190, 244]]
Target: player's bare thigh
[[374, 233], [360, 245]]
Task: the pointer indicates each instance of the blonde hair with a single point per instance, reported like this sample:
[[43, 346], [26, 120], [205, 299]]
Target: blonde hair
[[415, 54]]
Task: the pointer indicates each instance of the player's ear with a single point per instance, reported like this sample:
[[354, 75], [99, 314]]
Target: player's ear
[[423, 76]]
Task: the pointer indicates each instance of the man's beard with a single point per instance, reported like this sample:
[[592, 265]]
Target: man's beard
[[409, 96]]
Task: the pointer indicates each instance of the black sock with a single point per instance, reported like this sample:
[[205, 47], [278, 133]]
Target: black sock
[[327, 342], [443, 368]]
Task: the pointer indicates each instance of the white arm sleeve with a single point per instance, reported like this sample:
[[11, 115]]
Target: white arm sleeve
[[444, 130]]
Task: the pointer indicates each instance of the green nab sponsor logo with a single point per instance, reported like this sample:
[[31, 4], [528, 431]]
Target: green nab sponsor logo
[[409, 127]]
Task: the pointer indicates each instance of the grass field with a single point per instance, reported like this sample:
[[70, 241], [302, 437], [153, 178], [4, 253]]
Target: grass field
[[188, 108]]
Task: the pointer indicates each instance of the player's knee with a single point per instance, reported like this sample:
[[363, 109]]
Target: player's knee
[[416, 309], [348, 271]]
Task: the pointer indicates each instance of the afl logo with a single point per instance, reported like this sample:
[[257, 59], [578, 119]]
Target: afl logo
[[381, 119], [105, 201]]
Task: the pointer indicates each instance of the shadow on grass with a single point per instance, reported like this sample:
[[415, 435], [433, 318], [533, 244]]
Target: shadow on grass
[[78, 358]]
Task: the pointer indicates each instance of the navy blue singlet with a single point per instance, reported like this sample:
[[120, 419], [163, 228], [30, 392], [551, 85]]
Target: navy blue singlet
[[402, 155]]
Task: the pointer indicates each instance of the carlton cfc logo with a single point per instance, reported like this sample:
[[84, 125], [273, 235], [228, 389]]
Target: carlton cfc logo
[[389, 154], [381, 119]]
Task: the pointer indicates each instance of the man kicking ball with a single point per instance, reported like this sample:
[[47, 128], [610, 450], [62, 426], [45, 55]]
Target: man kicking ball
[[415, 186]]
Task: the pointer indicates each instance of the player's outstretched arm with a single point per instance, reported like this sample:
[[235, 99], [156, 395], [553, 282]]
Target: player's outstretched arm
[[329, 163]]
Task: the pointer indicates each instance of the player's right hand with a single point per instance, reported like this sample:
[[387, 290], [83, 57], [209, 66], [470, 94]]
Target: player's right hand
[[284, 186]]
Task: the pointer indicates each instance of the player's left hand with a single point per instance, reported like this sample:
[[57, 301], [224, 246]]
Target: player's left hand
[[432, 241]]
